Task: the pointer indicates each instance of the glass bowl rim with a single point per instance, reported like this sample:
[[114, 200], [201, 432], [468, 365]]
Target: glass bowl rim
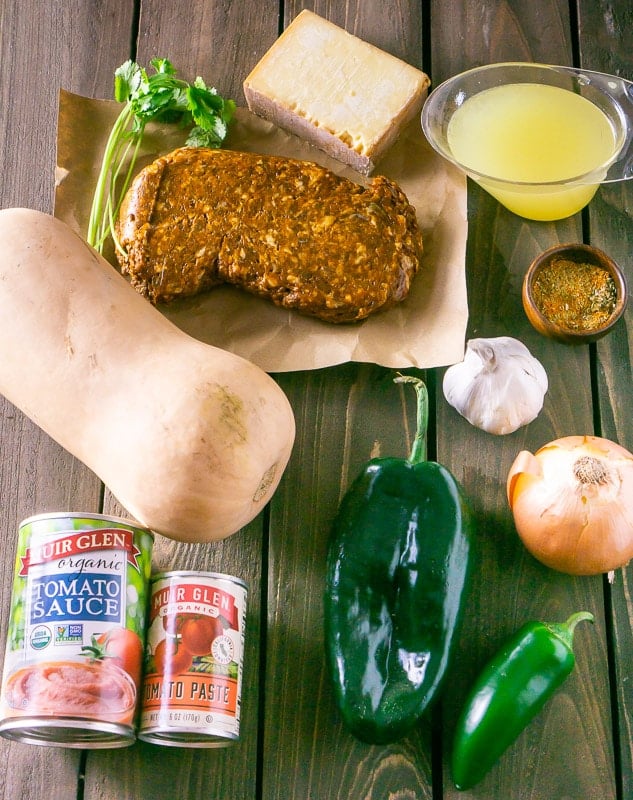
[[593, 176]]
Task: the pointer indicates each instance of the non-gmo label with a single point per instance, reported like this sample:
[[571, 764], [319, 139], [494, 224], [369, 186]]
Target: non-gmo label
[[69, 634]]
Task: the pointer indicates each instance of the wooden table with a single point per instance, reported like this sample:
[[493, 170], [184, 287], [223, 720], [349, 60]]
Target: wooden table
[[292, 744]]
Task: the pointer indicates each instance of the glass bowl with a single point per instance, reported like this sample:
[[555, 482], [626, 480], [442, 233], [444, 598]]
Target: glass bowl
[[539, 138]]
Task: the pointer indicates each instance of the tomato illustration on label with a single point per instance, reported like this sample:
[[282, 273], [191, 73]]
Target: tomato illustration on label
[[171, 657], [187, 636], [199, 632], [120, 646]]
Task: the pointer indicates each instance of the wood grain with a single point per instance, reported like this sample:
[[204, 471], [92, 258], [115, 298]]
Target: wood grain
[[606, 45], [36, 475], [293, 744], [510, 586], [210, 40], [302, 728], [302, 724]]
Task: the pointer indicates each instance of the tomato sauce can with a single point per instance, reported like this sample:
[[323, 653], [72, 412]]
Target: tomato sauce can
[[76, 632], [194, 658]]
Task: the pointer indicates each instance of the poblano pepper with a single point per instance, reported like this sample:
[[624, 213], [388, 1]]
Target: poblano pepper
[[397, 574], [509, 692]]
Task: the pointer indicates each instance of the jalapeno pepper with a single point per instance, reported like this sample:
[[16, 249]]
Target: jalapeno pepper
[[397, 573], [508, 694]]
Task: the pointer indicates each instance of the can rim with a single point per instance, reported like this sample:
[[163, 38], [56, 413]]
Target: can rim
[[172, 737], [128, 521], [91, 734]]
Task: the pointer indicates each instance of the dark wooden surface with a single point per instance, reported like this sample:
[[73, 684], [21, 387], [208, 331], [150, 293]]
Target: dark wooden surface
[[293, 745]]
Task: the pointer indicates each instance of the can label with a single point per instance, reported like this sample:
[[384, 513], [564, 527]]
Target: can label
[[76, 629], [195, 645]]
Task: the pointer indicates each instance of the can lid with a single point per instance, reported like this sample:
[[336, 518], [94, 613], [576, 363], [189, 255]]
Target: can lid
[[88, 515], [186, 738], [67, 732]]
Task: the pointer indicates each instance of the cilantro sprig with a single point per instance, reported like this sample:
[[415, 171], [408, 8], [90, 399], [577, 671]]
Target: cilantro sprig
[[160, 97]]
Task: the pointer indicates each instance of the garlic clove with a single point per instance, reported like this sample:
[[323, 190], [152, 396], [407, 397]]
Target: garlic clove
[[498, 387]]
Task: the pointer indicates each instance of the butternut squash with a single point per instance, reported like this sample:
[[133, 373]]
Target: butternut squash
[[191, 440]]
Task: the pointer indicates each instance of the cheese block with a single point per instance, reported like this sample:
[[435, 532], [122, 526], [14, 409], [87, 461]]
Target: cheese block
[[342, 94]]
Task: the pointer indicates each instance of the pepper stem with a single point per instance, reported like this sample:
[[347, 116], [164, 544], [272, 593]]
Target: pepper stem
[[565, 630], [419, 448]]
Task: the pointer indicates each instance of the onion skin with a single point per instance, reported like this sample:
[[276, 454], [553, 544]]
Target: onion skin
[[573, 520]]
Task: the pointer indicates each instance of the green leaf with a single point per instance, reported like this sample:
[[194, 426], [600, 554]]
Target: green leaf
[[199, 137], [161, 97], [127, 79]]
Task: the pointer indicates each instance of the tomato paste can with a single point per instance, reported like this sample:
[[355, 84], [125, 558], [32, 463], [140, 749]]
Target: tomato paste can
[[194, 658], [76, 632]]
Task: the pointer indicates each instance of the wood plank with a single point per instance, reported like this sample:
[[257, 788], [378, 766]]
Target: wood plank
[[606, 45], [510, 586], [36, 475], [218, 43], [345, 416], [307, 752], [399, 32]]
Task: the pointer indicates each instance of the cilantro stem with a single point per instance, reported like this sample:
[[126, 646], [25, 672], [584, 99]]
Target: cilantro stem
[[113, 205], [103, 187]]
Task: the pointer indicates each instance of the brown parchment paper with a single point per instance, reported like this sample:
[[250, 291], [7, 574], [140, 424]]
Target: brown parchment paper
[[426, 330]]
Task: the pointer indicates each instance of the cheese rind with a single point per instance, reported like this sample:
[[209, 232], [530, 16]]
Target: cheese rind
[[342, 94]]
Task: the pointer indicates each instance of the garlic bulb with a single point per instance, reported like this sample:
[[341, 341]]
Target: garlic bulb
[[498, 387]]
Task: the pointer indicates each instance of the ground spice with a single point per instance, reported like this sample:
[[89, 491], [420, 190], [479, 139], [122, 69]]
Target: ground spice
[[576, 296]]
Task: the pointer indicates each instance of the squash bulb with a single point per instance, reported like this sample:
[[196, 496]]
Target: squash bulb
[[190, 439]]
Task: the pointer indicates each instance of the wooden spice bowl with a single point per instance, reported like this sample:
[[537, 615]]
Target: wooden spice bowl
[[574, 293]]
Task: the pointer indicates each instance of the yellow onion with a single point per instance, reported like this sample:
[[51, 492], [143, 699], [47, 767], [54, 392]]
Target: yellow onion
[[572, 503]]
